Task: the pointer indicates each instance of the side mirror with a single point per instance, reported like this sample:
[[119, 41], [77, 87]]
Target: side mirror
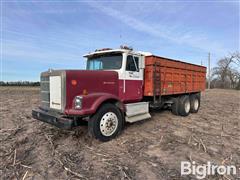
[[141, 62]]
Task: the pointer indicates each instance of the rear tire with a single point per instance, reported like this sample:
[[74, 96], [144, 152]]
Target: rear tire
[[106, 123], [184, 105], [175, 106], [195, 103]]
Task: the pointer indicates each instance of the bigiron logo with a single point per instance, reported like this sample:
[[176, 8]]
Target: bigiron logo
[[201, 171]]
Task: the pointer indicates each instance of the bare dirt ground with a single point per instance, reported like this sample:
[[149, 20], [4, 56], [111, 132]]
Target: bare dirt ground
[[151, 149]]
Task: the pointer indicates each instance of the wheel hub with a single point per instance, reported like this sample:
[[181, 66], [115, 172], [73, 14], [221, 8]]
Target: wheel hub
[[196, 104], [108, 124], [187, 106]]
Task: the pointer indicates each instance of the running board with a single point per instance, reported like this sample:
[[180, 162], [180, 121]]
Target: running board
[[137, 118], [137, 112]]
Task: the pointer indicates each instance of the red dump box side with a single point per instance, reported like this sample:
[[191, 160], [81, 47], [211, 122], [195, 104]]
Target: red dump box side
[[165, 76]]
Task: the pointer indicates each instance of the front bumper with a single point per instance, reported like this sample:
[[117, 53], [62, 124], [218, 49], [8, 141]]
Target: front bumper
[[56, 120]]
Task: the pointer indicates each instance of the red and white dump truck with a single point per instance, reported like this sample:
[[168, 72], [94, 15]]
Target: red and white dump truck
[[118, 86]]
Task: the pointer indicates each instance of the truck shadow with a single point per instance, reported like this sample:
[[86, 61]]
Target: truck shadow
[[153, 112]]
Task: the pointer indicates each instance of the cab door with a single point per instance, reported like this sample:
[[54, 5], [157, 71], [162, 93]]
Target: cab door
[[133, 80]]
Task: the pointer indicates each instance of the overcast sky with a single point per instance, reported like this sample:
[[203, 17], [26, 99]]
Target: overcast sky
[[37, 36]]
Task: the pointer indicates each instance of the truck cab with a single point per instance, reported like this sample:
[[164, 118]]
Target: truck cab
[[106, 94], [130, 68]]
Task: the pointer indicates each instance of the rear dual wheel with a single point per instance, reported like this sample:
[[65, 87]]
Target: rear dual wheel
[[175, 106], [195, 103], [185, 104]]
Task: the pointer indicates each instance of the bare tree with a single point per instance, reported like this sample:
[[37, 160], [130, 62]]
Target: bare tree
[[227, 72]]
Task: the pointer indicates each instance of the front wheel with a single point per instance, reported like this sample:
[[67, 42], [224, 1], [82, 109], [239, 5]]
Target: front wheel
[[106, 123]]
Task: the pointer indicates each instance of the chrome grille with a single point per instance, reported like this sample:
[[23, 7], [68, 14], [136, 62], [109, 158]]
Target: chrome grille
[[45, 92]]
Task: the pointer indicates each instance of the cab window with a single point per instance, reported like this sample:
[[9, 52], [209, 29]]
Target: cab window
[[105, 62], [132, 64]]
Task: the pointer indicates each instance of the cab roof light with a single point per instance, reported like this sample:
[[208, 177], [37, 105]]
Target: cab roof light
[[126, 47], [103, 49]]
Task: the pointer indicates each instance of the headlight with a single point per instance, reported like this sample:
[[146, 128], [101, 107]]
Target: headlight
[[78, 102]]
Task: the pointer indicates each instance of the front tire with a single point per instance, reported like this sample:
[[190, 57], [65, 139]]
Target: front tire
[[106, 123]]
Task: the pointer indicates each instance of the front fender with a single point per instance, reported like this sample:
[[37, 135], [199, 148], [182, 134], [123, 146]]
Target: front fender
[[91, 102]]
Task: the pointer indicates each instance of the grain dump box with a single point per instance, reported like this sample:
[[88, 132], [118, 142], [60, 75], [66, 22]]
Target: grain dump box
[[165, 76]]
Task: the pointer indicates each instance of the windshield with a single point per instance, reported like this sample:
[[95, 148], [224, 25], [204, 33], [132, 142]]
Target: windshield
[[105, 62]]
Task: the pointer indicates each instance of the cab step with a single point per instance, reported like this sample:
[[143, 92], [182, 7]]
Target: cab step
[[137, 112]]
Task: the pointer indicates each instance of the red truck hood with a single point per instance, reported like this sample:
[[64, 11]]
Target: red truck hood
[[89, 82]]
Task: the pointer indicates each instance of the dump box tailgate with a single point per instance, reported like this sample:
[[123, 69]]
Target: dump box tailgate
[[165, 76]]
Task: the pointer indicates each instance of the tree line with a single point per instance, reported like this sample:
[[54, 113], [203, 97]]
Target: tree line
[[19, 83]]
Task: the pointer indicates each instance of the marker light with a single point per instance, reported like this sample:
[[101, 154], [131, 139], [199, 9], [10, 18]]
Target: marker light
[[85, 92], [74, 82]]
